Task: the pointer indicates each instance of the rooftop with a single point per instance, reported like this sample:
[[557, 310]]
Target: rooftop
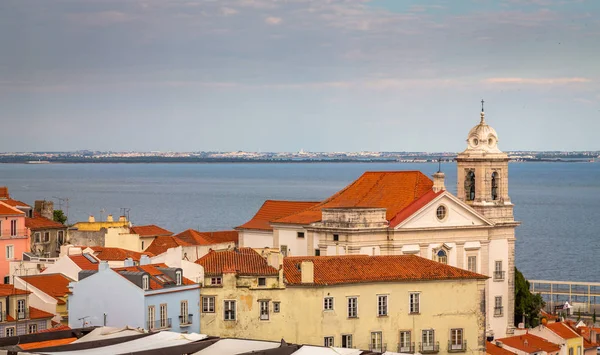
[[150, 231], [244, 261], [160, 244], [272, 210], [6, 209], [194, 237], [159, 278], [54, 285], [562, 330], [38, 223], [530, 343], [493, 349], [9, 290], [117, 254], [85, 261]]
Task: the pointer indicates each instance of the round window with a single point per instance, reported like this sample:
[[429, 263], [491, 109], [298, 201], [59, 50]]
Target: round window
[[491, 141], [475, 141], [441, 212]]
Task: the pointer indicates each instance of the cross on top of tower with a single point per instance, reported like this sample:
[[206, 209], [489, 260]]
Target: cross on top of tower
[[482, 105], [482, 113]]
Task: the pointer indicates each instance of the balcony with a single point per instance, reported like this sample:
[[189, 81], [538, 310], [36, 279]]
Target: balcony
[[18, 234], [17, 315], [498, 311], [457, 347], [499, 275], [185, 320], [408, 348], [377, 348], [164, 323], [429, 348]]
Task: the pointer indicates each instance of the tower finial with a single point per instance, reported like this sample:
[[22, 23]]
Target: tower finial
[[482, 113], [482, 105]]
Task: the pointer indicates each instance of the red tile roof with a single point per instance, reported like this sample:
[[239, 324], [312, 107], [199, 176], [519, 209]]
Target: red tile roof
[[272, 210], [54, 285], [493, 349], [392, 190], [530, 343], [84, 262], [346, 269], [160, 244], [9, 290], [150, 231], [244, 261], [35, 313], [6, 209], [414, 207], [117, 254], [46, 343], [15, 203], [56, 328], [158, 279], [40, 223], [562, 330], [194, 237]]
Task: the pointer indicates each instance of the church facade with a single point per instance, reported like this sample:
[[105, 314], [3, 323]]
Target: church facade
[[405, 212]]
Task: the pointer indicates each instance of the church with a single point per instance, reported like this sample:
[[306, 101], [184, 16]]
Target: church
[[406, 212]]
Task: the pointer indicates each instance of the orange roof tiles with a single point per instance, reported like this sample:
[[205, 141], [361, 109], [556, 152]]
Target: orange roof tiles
[[160, 244], [9, 290], [46, 343], [84, 262], [56, 327], [54, 285], [39, 223], [119, 254], [392, 190], [6, 209], [530, 343], [244, 261], [150, 231], [157, 277], [272, 210], [414, 207], [35, 313], [493, 349], [562, 330], [194, 237], [15, 203], [331, 270]]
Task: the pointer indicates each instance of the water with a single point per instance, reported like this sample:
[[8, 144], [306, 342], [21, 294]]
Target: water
[[557, 203]]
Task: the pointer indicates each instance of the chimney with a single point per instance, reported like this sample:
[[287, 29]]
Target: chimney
[[91, 219], [274, 259], [128, 262], [438, 181], [307, 272], [144, 260], [44, 208], [109, 218], [103, 265], [122, 219]]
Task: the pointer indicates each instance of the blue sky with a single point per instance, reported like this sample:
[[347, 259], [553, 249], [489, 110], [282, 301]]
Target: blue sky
[[285, 75]]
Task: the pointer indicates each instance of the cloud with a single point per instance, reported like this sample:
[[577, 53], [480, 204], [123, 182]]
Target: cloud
[[228, 11], [273, 20], [537, 81]]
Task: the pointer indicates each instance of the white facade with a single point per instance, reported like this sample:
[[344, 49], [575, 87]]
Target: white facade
[[256, 239], [38, 298], [173, 258]]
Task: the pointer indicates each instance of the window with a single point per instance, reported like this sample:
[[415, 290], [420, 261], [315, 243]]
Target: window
[[262, 281], [21, 309], [10, 252], [472, 263], [276, 307], [352, 307], [284, 250], [414, 303], [441, 213], [428, 340], [300, 234], [13, 227], [336, 237], [498, 272], [184, 314], [442, 257], [498, 306], [495, 179], [32, 328], [264, 310], [37, 237], [6, 280], [2, 314], [142, 245], [208, 304], [145, 282], [178, 277], [328, 303], [570, 351], [470, 186], [229, 310], [215, 280], [317, 252], [346, 340], [579, 350], [46, 237], [10, 331], [376, 341], [456, 339], [328, 341], [405, 344], [60, 237], [382, 306], [163, 315], [151, 317]]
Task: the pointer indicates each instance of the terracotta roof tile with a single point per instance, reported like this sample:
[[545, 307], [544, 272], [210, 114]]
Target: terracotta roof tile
[[39, 223], [392, 190], [46, 343], [9, 290], [150, 231], [272, 210], [414, 207], [158, 279], [54, 285], [85, 261], [56, 328], [331, 270], [530, 343], [194, 237], [35, 313], [562, 330], [245, 261], [15, 203], [493, 349], [117, 254], [160, 244], [6, 209]]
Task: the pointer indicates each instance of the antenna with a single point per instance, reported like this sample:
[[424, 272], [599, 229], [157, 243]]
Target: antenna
[[439, 164], [125, 212], [102, 214], [82, 319]]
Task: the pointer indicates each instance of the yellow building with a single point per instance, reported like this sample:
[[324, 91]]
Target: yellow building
[[94, 226], [398, 303], [571, 343]]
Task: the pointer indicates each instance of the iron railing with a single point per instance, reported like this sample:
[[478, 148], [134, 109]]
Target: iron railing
[[499, 275], [498, 311], [429, 348], [380, 348], [408, 348], [164, 323], [457, 347], [185, 319]]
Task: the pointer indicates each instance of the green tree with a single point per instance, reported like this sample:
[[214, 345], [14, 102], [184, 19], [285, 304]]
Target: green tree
[[59, 217], [527, 305]]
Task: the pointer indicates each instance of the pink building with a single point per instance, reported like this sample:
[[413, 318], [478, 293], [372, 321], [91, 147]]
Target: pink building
[[14, 240]]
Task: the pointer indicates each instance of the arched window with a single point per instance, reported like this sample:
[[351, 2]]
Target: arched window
[[442, 257], [470, 186], [495, 179]]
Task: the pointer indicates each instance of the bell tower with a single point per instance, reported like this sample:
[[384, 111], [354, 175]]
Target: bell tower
[[482, 175]]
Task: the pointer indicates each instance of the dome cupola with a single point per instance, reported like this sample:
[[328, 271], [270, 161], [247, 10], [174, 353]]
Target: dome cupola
[[483, 137]]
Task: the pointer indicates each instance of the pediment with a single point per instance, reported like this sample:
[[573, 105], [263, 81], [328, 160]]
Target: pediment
[[457, 214]]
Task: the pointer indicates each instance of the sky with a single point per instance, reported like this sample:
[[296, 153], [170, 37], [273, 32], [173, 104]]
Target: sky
[[286, 75]]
